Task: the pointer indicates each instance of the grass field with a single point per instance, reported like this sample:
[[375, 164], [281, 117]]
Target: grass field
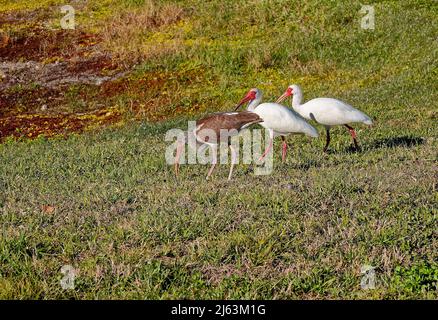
[[100, 197]]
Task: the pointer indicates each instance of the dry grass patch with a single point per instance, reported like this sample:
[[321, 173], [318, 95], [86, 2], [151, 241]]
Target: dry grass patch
[[127, 34]]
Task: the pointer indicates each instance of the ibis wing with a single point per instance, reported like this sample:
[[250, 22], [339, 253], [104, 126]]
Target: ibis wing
[[329, 111], [209, 128]]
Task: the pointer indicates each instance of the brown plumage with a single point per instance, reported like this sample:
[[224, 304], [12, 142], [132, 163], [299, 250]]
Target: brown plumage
[[208, 132], [216, 122]]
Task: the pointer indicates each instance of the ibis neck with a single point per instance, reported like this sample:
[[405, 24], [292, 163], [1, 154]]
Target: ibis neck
[[296, 100], [253, 104]]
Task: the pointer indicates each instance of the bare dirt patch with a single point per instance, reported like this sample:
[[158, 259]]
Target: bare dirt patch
[[95, 70], [37, 67], [50, 58]]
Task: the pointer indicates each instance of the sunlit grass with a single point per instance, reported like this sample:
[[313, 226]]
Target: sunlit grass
[[135, 231]]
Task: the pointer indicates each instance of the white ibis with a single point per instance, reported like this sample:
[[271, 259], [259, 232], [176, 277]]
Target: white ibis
[[214, 128], [326, 111], [277, 119]]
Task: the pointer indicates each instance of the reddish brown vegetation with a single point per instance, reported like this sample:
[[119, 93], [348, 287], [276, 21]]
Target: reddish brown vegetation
[[34, 125], [45, 74], [44, 63], [39, 44]]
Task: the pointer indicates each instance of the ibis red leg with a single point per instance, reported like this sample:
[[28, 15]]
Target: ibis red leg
[[353, 135], [267, 150]]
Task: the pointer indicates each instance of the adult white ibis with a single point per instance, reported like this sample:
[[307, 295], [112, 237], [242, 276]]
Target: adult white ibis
[[277, 119], [217, 127], [326, 111]]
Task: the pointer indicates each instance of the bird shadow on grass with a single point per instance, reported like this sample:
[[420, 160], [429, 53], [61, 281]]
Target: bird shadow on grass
[[393, 142], [402, 141], [305, 165]]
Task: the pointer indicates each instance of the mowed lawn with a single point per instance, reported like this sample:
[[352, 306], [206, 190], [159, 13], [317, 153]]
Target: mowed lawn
[[106, 202]]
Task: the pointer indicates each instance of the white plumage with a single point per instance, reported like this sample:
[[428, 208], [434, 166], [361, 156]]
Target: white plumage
[[277, 119], [326, 111], [331, 112], [283, 121]]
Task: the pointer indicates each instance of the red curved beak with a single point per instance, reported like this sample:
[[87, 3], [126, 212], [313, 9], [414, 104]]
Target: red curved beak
[[246, 99], [284, 96]]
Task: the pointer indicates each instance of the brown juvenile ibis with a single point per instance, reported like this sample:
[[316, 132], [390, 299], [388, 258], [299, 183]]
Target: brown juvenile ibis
[[217, 127]]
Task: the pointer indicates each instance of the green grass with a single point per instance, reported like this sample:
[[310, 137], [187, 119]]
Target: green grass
[[132, 230]]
